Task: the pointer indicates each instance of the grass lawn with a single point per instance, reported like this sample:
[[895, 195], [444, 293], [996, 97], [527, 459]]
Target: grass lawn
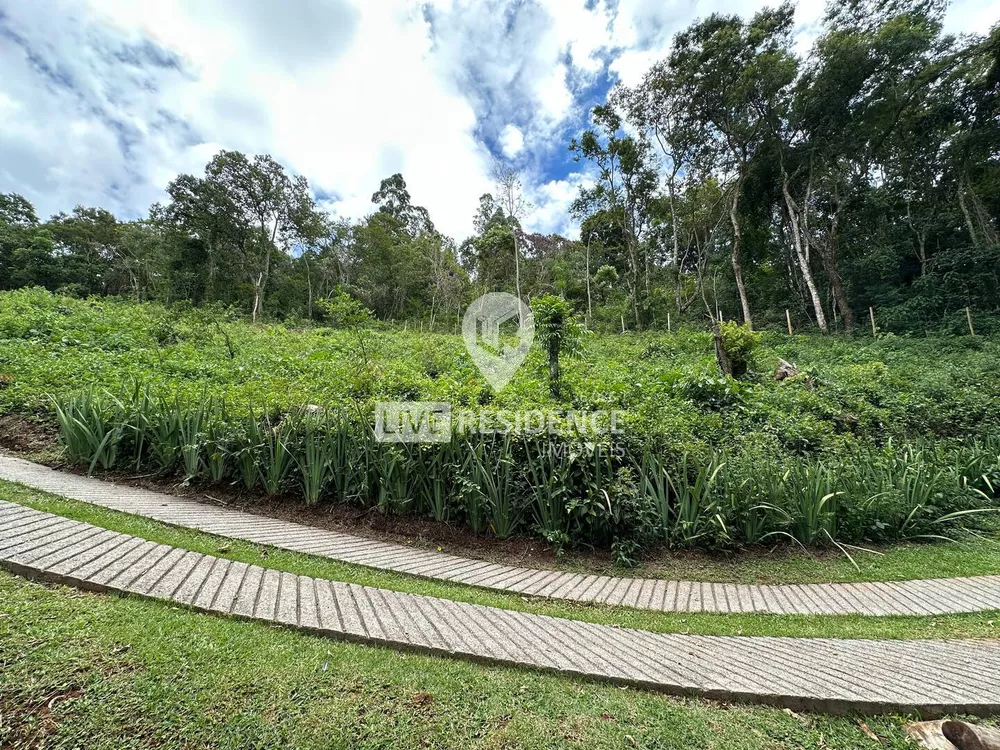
[[978, 625], [94, 671]]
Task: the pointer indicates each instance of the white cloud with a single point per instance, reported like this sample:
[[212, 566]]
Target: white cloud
[[511, 141], [552, 201], [345, 98], [643, 29], [102, 102]]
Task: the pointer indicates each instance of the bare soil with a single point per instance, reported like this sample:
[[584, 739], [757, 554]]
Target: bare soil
[[20, 434]]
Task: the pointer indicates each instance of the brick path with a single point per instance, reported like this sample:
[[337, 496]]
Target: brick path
[[833, 676], [930, 597]]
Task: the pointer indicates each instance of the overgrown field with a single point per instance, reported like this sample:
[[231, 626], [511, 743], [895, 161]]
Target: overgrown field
[[876, 440]]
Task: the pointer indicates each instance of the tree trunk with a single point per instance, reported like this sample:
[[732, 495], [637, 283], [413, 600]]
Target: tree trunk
[[554, 370], [676, 240], [970, 225], [517, 266], [734, 210], [257, 302], [634, 260], [800, 240], [309, 308], [828, 255], [721, 355], [837, 287]]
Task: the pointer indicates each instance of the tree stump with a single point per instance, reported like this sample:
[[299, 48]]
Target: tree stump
[[785, 370]]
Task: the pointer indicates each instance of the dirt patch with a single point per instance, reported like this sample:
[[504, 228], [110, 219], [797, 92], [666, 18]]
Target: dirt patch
[[370, 523], [23, 434]]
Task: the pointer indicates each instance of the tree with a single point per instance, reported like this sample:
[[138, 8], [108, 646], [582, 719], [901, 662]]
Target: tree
[[17, 228], [658, 106], [87, 244], [725, 67], [863, 84], [259, 191], [626, 183], [245, 211], [16, 210], [393, 200], [511, 201], [558, 333]]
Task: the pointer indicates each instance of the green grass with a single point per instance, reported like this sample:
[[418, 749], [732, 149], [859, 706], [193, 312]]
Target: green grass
[[977, 625], [973, 556], [83, 670]]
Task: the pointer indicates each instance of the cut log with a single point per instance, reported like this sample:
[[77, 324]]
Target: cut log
[[785, 370], [971, 737], [927, 734]]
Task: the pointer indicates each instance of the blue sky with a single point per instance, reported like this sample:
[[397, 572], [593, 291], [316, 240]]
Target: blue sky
[[102, 102]]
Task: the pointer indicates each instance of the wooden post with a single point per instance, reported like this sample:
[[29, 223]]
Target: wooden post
[[871, 314], [788, 317], [623, 324], [668, 322], [968, 315]]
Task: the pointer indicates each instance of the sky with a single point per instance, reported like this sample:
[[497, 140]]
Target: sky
[[103, 102]]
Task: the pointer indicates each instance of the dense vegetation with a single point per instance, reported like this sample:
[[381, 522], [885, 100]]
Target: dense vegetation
[[875, 439], [739, 180]]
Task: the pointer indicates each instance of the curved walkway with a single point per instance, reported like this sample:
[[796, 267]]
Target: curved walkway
[[929, 597], [833, 676]]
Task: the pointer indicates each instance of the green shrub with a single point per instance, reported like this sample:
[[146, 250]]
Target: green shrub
[[558, 332], [741, 344], [341, 310]]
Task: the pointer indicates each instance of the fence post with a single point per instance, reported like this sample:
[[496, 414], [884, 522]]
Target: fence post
[[968, 314], [788, 317], [668, 322], [623, 324], [871, 314]]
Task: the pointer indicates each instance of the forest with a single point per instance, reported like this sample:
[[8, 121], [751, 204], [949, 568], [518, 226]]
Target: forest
[[739, 180]]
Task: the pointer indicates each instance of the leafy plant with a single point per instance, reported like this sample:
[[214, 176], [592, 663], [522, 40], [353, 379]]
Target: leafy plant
[[91, 429], [557, 331], [741, 343]]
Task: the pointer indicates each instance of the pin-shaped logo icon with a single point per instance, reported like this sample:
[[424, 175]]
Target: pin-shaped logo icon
[[498, 329]]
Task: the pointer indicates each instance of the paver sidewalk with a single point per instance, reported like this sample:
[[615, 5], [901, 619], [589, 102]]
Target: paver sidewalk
[[930, 677], [929, 597]]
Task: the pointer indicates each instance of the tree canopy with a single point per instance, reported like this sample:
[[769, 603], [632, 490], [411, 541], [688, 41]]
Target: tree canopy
[[739, 179]]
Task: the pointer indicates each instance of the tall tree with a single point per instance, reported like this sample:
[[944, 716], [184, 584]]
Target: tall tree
[[511, 200], [725, 67], [626, 183]]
